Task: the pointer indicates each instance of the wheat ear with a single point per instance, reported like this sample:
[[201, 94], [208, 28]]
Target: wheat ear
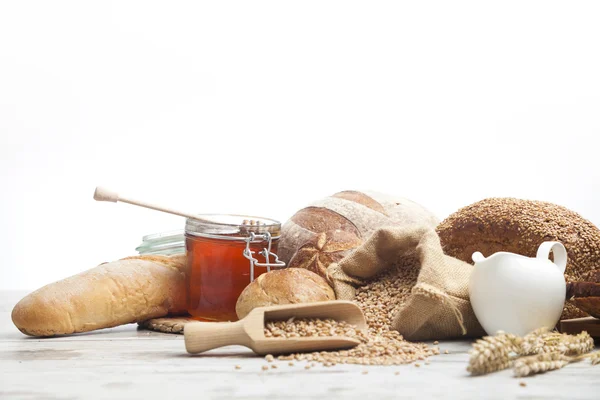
[[492, 353], [543, 362]]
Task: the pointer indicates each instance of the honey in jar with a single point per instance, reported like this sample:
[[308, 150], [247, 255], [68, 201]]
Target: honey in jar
[[224, 254]]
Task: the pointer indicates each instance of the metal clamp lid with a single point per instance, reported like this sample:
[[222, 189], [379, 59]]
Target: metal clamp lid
[[266, 253]]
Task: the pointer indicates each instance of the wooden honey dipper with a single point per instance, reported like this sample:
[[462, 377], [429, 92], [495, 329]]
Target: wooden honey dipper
[[103, 194]]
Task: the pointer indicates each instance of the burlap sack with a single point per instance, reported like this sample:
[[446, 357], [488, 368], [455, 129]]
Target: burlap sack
[[438, 306]]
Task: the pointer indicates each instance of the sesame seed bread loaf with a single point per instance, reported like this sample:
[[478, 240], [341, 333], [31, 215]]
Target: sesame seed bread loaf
[[520, 226], [285, 286], [120, 292], [329, 229]]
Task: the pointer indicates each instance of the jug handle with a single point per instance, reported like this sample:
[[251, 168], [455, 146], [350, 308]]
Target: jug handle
[[477, 257], [559, 251]]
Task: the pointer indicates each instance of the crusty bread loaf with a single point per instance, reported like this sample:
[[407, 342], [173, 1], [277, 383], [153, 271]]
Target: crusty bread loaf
[[285, 286], [520, 226], [120, 292], [329, 229]]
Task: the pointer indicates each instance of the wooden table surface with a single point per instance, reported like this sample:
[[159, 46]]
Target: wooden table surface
[[125, 363]]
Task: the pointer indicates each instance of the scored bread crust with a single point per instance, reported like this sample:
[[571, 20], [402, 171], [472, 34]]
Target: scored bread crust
[[120, 292], [286, 286], [331, 228]]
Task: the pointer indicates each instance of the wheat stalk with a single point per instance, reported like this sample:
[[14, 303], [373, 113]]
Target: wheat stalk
[[578, 344], [534, 342], [594, 357], [539, 351], [543, 362], [492, 353]]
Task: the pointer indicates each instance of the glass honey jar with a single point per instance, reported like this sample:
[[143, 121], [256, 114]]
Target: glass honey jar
[[164, 244], [224, 254]]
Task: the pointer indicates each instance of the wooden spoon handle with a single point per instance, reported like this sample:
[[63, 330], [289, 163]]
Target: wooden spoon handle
[[103, 194], [203, 336]]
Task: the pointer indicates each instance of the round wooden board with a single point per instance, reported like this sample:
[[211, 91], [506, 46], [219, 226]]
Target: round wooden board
[[166, 325]]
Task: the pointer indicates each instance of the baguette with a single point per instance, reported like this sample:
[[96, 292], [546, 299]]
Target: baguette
[[125, 291]]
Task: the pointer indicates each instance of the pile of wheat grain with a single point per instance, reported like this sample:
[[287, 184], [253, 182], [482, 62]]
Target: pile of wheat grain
[[379, 345], [381, 298]]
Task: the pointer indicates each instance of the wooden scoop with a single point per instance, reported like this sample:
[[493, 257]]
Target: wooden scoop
[[249, 331]]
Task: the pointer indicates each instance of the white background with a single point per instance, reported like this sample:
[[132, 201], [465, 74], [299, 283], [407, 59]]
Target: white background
[[262, 107]]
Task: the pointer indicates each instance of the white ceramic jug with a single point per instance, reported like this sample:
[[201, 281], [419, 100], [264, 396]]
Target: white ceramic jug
[[517, 294]]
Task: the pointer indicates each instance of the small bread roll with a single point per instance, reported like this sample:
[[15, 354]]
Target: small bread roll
[[285, 286]]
